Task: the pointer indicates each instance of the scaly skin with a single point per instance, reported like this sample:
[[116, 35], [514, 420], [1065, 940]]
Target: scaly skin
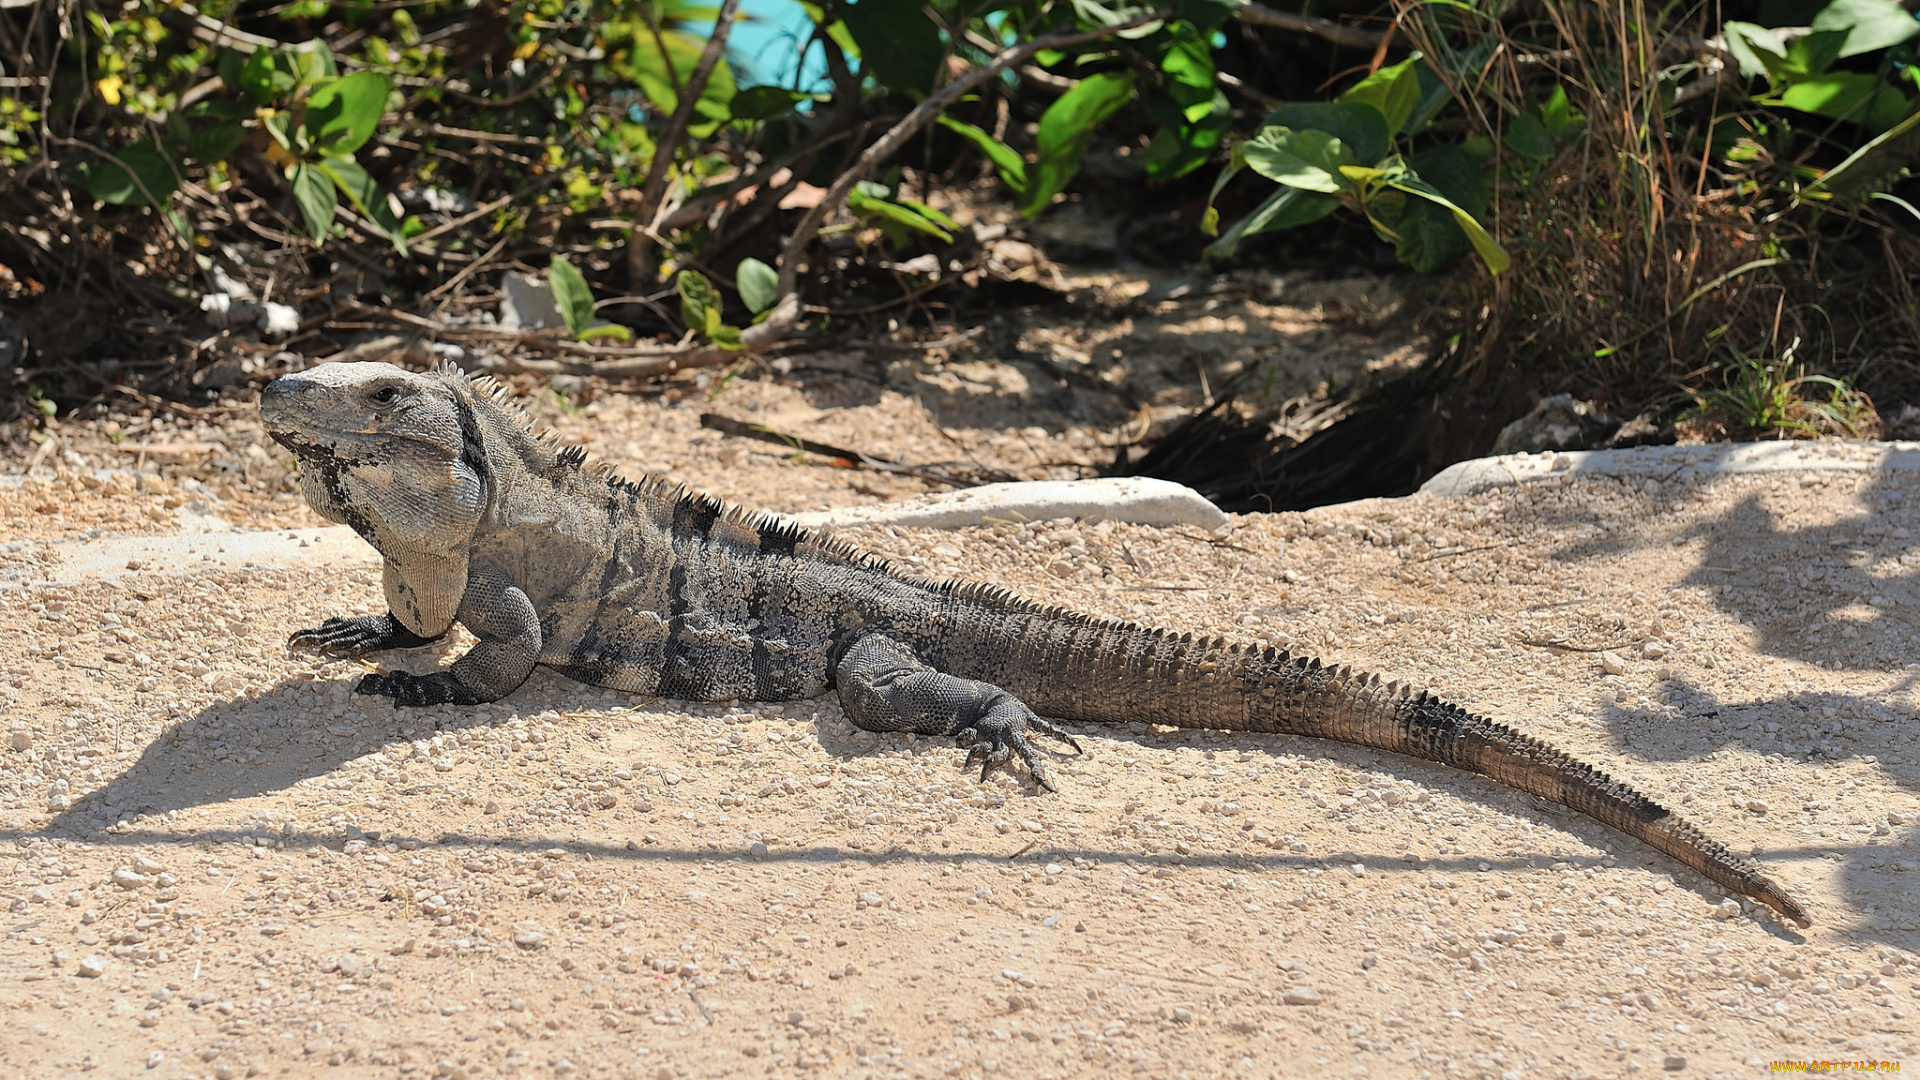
[[649, 588]]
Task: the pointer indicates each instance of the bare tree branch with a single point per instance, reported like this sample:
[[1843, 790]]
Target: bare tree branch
[[640, 244], [1350, 36]]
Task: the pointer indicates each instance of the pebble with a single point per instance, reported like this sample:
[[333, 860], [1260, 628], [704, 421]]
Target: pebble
[[127, 879], [1756, 806], [20, 739], [92, 966], [1674, 1062], [1612, 663], [319, 1046], [1303, 995], [529, 939]]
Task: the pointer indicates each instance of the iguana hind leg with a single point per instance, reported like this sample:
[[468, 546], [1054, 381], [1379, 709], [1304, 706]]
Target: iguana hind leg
[[885, 687], [501, 616]]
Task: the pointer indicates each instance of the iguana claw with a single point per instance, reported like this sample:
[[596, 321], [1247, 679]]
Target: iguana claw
[[343, 637], [1003, 732], [409, 689]]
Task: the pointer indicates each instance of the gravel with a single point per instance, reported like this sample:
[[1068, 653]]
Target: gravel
[[322, 867]]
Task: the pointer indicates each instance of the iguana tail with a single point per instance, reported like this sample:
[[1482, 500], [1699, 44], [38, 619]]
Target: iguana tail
[[1110, 672]]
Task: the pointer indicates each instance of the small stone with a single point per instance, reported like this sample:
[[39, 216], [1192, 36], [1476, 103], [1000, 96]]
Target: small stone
[[127, 879], [758, 848], [1674, 1062], [529, 939], [403, 948], [1612, 663], [1728, 908], [1303, 995], [150, 1018], [154, 1059], [20, 739], [493, 807], [92, 966], [1756, 806], [317, 1047], [147, 866]]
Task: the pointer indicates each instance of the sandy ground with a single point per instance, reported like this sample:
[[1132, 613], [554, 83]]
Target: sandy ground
[[220, 863]]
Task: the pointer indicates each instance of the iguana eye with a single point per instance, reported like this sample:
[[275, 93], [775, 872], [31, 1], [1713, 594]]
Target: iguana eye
[[386, 395]]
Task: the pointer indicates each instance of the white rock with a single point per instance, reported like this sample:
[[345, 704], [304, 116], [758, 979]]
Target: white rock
[[1303, 995], [1612, 663], [127, 879], [92, 966], [1137, 500]]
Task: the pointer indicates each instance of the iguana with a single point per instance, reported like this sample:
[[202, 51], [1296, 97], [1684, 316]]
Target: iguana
[[650, 588]]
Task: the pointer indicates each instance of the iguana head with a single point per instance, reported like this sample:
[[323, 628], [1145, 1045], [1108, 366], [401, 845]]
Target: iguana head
[[395, 454]]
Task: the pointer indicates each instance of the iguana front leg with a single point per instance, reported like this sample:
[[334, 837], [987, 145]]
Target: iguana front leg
[[885, 687], [422, 595], [500, 615]]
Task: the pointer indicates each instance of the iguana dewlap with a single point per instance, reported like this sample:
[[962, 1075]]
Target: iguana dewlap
[[649, 588]]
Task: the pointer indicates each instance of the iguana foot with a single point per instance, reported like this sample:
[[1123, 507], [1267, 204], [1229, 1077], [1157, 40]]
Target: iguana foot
[[995, 738], [356, 636], [438, 688]]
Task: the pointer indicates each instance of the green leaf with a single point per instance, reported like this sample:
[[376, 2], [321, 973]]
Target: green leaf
[[612, 330], [365, 195], [1434, 96], [1188, 67], [1455, 172], [1528, 137], [899, 45], [213, 142], [862, 202], [1869, 24], [313, 193], [1179, 147], [279, 126], [1812, 54], [699, 302], [1562, 120], [1429, 239], [1393, 92], [109, 183], [1360, 127], [1284, 209], [257, 76], [311, 62], [570, 294], [1841, 94], [1484, 245], [759, 284], [1065, 130], [1308, 160], [764, 102], [930, 214], [342, 114], [1006, 160], [1757, 48]]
